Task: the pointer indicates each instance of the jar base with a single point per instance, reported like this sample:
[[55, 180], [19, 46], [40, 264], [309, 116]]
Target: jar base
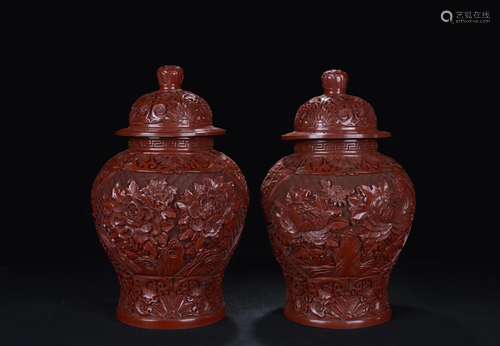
[[337, 324], [187, 323]]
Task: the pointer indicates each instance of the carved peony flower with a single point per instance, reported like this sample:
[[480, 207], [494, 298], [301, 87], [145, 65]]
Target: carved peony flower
[[139, 206], [161, 194], [336, 194], [205, 208], [305, 210], [371, 200], [140, 220], [371, 207]]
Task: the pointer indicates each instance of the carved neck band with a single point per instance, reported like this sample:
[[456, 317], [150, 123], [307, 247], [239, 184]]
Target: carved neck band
[[348, 146], [181, 144]]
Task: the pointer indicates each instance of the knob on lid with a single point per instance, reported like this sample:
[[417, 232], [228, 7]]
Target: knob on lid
[[335, 114], [170, 77], [170, 111]]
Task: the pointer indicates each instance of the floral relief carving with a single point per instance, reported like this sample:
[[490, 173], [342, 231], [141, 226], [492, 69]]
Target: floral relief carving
[[339, 298], [321, 164], [324, 112], [299, 163], [180, 108], [137, 222], [338, 212], [327, 233], [145, 224], [203, 210], [168, 298], [170, 237]]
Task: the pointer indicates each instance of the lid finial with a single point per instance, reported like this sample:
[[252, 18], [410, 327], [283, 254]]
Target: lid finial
[[170, 77], [334, 82]]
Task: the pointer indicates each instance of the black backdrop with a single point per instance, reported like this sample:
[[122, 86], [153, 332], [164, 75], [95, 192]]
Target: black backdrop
[[73, 77]]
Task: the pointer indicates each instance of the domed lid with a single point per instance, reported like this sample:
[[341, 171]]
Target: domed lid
[[335, 114], [170, 111]]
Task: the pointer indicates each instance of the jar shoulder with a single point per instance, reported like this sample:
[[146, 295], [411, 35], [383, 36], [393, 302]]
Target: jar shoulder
[[171, 163], [366, 164]]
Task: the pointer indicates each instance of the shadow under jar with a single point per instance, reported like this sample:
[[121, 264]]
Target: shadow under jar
[[338, 212], [169, 211]]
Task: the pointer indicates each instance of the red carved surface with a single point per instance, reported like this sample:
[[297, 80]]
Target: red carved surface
[[335, 114], [169, 212], [170, 111], [338, 214]]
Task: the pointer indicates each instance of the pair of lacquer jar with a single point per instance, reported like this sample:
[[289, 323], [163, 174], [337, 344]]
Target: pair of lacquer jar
[[170, 210]]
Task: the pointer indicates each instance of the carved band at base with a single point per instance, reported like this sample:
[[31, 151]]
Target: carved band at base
[[168, 299], [170, 324], [338, 324], [342, 301]]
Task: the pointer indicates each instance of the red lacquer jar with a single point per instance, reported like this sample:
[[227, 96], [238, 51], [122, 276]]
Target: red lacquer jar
[[169, 211], [338, 212]]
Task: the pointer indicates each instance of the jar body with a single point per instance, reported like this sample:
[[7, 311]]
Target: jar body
[[169, 213], [338, 215]]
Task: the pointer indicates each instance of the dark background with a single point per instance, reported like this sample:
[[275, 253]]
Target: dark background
[[73, 73]]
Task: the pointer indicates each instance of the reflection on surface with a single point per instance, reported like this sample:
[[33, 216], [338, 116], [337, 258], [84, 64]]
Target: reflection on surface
[[409, 326]]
